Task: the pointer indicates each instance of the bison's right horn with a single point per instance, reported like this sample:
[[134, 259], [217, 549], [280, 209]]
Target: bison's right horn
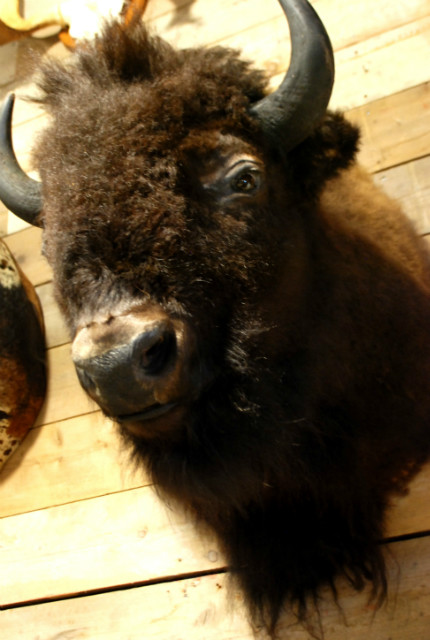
[[20, 193], [290, 114]]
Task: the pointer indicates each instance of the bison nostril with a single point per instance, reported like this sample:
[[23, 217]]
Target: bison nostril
[[155, 350], [153, 358]]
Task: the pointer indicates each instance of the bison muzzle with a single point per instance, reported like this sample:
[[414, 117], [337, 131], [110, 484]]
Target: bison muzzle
[[139, 365]]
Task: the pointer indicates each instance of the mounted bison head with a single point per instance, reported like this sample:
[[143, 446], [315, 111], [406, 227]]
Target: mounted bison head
[[242, 301]]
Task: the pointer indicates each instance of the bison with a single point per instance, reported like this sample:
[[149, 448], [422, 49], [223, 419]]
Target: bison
[[243, 301]]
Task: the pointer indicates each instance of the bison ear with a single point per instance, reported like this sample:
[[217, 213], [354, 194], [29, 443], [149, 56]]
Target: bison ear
[[330, 148]]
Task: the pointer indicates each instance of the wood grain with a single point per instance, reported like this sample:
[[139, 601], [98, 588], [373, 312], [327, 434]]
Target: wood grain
[[409, 184], [26, 248], [395, 129], [209, 608], [65, 397], [66, 462], [55, 328], [107, 541]]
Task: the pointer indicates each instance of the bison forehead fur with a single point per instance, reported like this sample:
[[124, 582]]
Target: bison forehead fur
[[296, 292]]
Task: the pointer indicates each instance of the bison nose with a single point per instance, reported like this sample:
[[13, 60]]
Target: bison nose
[[124, 378]]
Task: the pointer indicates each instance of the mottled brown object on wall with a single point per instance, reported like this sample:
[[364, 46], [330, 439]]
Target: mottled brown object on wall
[[22, 355]]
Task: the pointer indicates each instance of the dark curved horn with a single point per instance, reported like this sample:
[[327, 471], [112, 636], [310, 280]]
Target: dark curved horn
[[20, 193], [291, 113]]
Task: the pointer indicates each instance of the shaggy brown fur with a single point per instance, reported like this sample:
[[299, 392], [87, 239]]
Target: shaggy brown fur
[[309, 303]]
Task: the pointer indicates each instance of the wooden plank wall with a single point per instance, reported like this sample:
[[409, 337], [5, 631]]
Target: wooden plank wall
[[86, 548]]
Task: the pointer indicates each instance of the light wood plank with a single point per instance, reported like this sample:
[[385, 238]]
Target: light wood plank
[[3, 220], [395, 130], [410, 514], [123, 538], [25, 135], [381, 66], [65, 396], [365, 71], [409, 184], [65, 462], [114, 540], [351, 23], [8, 62], [12, 223], [209, 21], [160, 7], [56, 331], [204, 21], [26, 248], [209, 608]]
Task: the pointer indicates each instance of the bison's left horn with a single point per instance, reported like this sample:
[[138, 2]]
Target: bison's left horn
[[20, 193], [291, 113]]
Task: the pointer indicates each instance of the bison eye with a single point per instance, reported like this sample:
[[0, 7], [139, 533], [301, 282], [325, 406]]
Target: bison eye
[[246, 182], [246, 176]]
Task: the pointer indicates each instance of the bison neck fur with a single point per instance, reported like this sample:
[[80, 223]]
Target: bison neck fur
[[309, 304]]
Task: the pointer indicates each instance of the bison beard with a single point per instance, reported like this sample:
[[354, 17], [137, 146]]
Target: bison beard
[[298, 296]]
